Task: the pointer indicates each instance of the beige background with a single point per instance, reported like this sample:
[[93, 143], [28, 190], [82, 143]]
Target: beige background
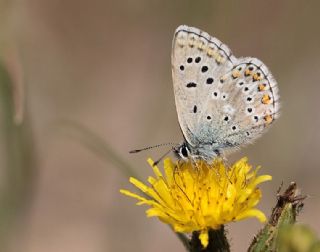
[[106, 65]]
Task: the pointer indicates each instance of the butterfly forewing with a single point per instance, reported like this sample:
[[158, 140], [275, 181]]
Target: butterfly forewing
[[197, 60]]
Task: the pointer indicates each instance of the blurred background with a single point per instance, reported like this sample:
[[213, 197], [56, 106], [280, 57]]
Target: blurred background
[[84, 82]]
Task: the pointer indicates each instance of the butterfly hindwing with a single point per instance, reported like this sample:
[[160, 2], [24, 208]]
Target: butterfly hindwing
[[243, 104]]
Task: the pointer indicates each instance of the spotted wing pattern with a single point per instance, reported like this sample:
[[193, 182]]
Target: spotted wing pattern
[[222, 102]]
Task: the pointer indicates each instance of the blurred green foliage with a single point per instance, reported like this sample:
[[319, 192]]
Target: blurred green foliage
[[298, 238], [17, 163]]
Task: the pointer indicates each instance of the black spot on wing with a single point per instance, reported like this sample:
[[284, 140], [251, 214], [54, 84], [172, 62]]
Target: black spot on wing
[[195, 109], [209, 81], [191, 85]]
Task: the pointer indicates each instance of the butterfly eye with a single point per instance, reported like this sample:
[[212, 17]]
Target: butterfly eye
[[184, 152]]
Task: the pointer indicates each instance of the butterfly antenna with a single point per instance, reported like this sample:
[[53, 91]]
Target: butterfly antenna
[[165, 154], [151, 147]]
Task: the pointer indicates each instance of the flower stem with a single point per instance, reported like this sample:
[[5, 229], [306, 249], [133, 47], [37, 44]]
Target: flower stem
[[184, 239], [217, 242]]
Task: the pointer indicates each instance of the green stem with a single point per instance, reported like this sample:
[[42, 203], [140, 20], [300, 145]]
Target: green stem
[[96, 144], [185, 241]]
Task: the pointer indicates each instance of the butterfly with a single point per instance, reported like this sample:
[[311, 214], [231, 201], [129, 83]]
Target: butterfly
[[222, 102]]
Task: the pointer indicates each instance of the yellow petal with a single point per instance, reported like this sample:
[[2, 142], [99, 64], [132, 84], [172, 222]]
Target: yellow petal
[[150, 162], [157, 171], [139, 184], [133, 195], [169, 169], [262, 178], [204, 238], [147, 190], [252, 213], [193, 196]]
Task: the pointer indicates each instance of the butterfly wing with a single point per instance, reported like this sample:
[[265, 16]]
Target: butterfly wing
[[197, 58], [243, 104], [222, 102]]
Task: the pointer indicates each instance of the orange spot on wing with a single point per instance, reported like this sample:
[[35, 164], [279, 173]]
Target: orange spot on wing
[[257, 76], [201, 45], [247, 72], [262, 87], [266, 99], [268, 119], [235, 74], [210, 52]]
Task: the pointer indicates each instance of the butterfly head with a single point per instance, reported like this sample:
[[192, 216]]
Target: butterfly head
[[185, 151], [182, 151]]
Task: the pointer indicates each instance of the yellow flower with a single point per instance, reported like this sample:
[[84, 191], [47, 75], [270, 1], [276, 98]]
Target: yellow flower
[[197, 196]]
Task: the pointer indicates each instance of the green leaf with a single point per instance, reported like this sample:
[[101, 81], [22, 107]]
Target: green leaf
[[297, 238]]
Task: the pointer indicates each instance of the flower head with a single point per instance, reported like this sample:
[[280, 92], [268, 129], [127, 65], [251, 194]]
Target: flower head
[[197, 196]]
